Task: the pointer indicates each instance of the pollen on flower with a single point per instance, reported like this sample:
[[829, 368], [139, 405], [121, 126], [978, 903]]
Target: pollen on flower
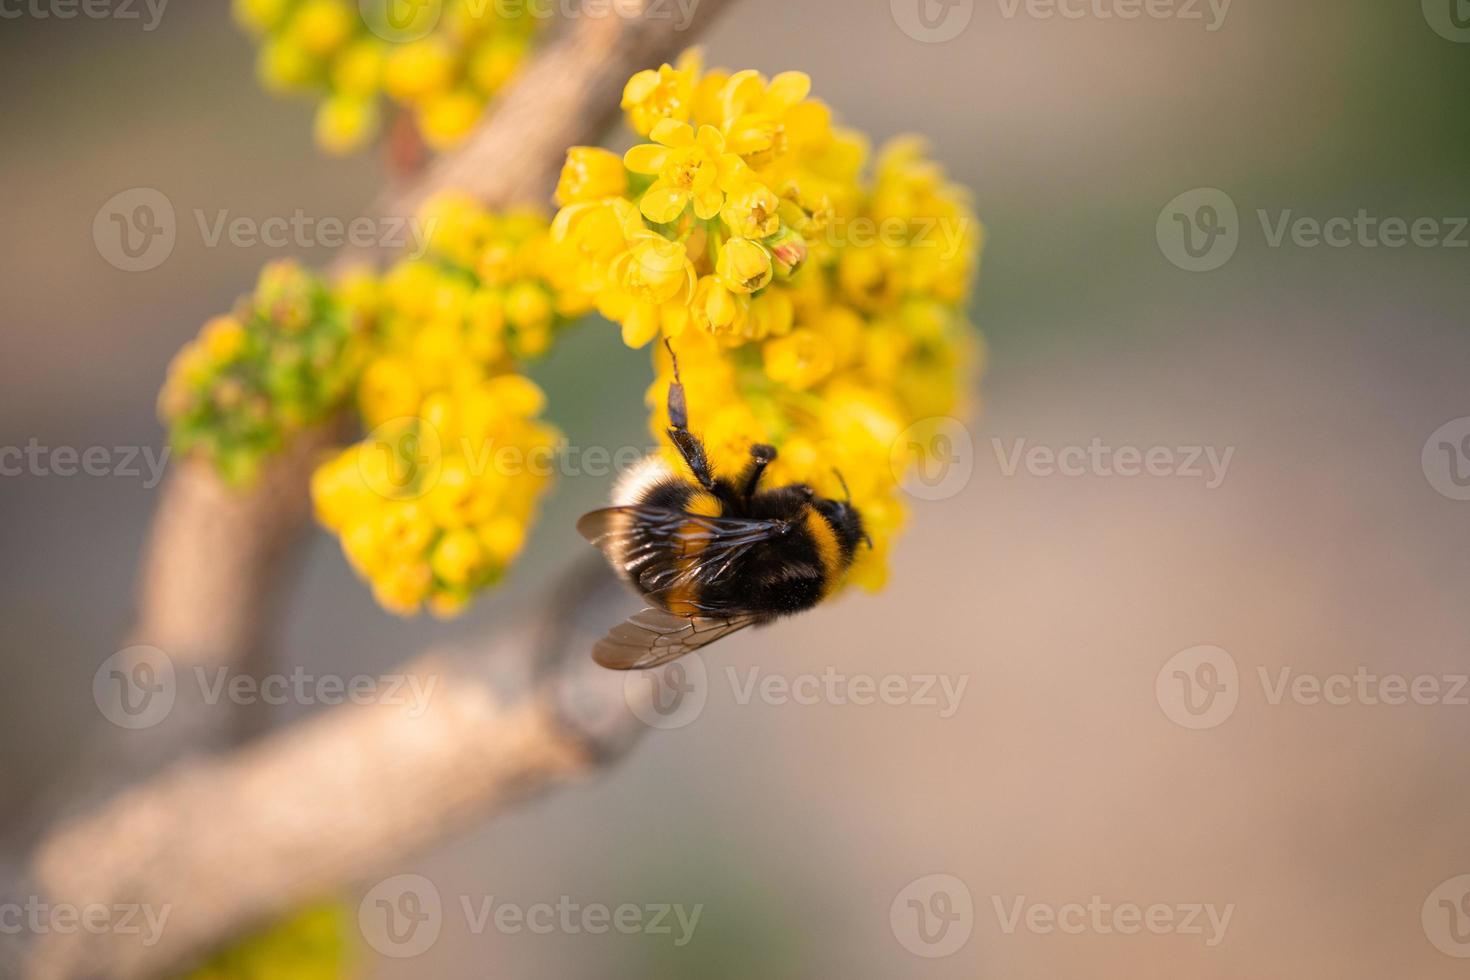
[[815, 302]]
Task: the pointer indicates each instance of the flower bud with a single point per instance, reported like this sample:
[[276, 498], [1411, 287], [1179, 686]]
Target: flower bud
[[589, 174], [744, 266], [789, 251]]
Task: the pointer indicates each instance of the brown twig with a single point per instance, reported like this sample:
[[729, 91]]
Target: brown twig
[[212, 848]]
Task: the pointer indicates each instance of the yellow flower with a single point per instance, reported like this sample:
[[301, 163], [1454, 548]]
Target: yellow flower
[[751, 211], [345, 123], [223, 338], [322, 26], [358, 70], [652, 281], [667, 93], [718, 310], [495, 62], [590, 173], [459, 557], [745, 266], [446, 119], [260, 16], [418, 69], [801, 359], [285, 66], [690, 167], [762, 121]]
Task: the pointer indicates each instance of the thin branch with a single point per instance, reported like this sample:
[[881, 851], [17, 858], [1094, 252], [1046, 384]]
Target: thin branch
[[216, 847]]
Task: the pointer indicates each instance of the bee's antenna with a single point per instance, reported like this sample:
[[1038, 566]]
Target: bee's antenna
[[846, 492], [675, 358], [678, 407], [868, 540]]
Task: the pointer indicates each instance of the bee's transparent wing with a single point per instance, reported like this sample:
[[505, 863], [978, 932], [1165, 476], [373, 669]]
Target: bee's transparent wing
[[662, 549], [654, 637]]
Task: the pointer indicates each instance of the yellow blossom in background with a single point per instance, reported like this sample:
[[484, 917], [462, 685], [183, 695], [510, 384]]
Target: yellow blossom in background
[[287, 357], [434, 504], [816, 301], [442, 68], [314, 943]]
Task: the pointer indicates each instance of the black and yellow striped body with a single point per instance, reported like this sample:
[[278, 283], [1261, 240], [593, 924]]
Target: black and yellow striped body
[[786, 573]]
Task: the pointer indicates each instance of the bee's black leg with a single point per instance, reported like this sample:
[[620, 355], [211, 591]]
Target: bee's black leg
[[761, 456], [685, 441]]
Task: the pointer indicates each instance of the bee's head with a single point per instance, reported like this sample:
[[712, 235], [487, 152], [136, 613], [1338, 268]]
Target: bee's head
[[845, 521]]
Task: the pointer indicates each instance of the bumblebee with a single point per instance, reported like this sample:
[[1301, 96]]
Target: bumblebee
[[713, 555]]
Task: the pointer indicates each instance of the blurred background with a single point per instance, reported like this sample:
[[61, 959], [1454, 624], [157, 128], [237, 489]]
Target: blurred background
[[1329, 544]]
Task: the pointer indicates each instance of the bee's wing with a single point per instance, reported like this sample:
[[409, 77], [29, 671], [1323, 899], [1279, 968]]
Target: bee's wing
[[662, 549], [654, 637]]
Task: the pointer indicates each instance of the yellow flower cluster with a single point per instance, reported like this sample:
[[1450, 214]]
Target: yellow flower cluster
[[435, 503], [442, 60], [287, 357], [812, 306], [314, 943]]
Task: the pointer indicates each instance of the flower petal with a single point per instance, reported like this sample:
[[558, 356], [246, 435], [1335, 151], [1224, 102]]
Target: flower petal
[[640, 325], [672, 132], [787, 89], [646, 158], [663, 203]]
